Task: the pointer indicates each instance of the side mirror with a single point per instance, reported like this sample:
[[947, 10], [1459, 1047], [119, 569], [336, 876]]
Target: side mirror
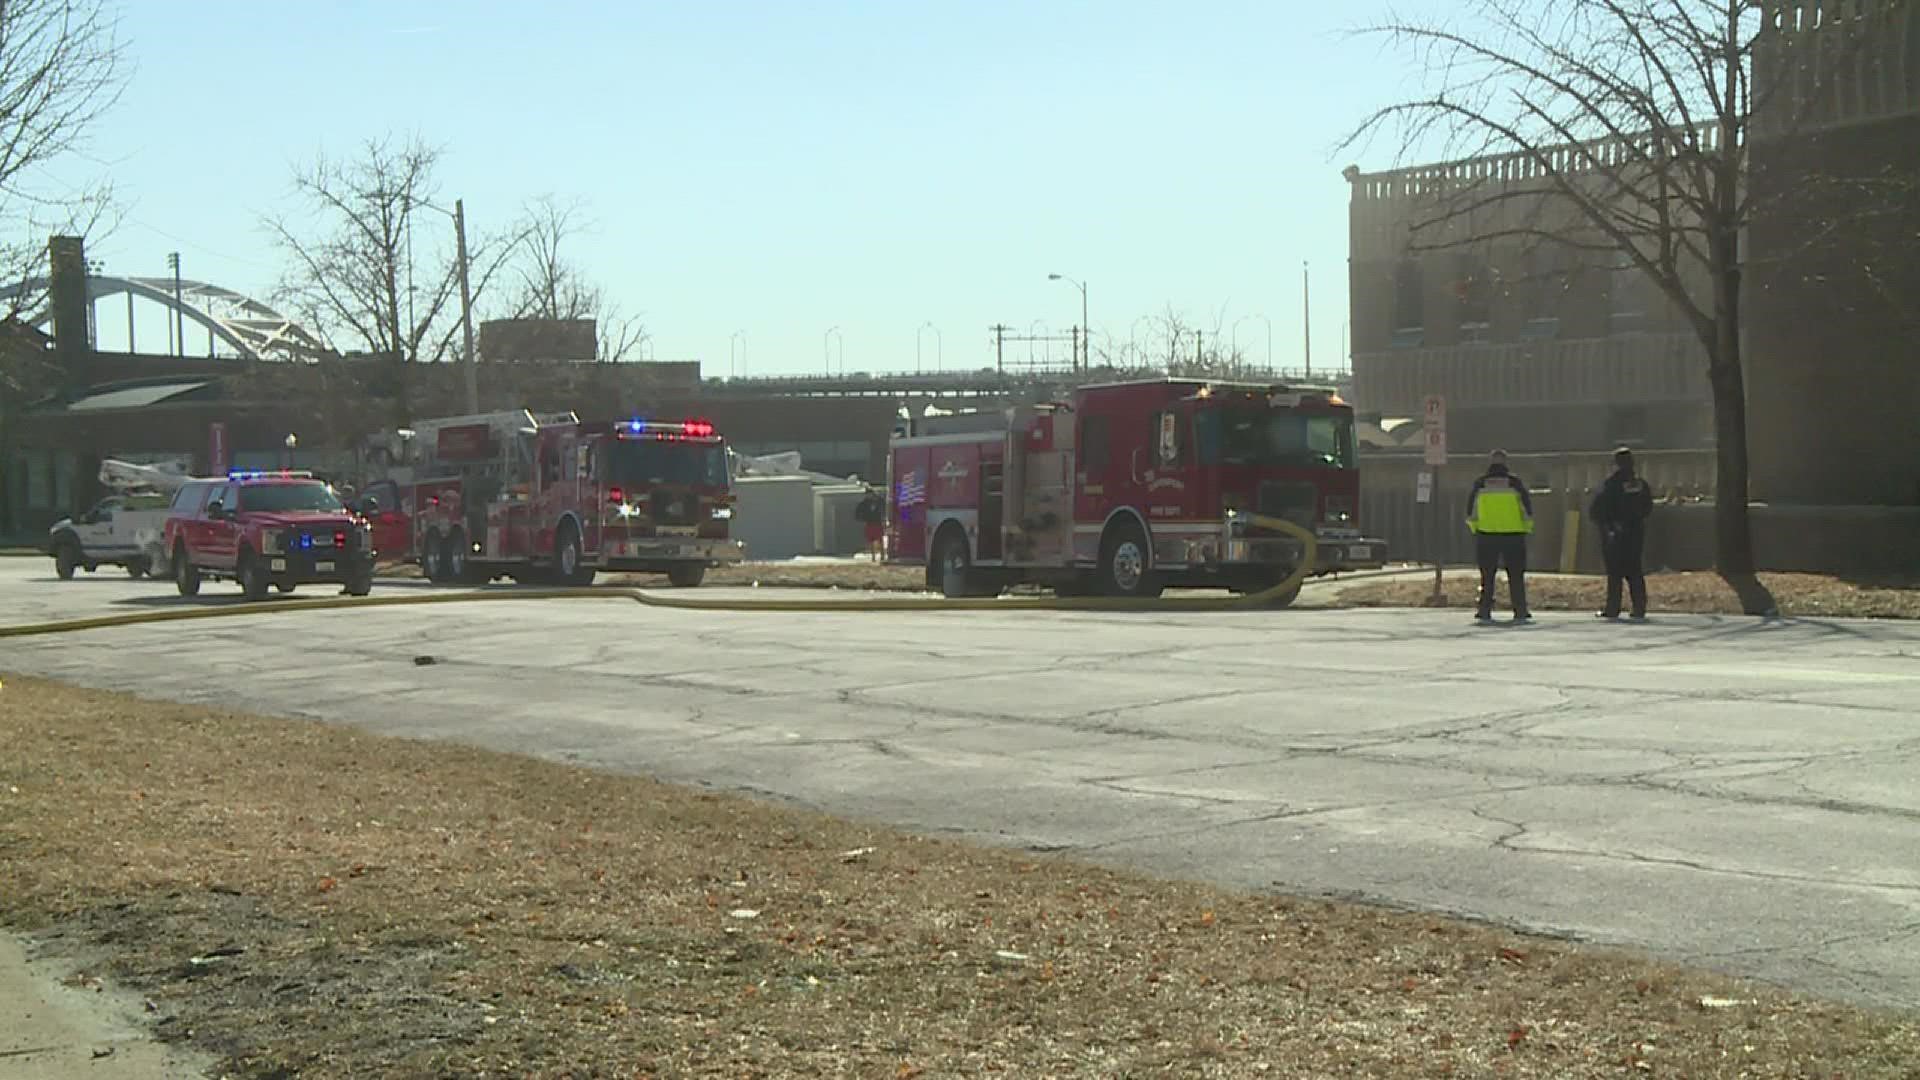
[[216, 510], [370, 505]]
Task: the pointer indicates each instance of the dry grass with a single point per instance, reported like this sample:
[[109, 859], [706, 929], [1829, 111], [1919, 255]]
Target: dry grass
[[1697, 593], [367, 906]]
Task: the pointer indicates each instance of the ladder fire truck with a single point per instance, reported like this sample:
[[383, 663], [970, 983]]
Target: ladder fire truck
[[550, 498], [1127, 488]]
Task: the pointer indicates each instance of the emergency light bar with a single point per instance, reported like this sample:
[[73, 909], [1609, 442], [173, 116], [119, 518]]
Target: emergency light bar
[[263, 474], [692, 429]]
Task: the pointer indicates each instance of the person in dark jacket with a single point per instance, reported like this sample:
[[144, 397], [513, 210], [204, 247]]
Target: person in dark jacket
[[1620, 509], [1500, 513], [872, 513]]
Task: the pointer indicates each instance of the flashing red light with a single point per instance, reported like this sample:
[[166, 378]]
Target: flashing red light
[[340, 538], [615, 495], [698, 429], [433, 500]]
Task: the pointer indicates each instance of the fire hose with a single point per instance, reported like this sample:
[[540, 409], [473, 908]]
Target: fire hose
[[1309, 552]]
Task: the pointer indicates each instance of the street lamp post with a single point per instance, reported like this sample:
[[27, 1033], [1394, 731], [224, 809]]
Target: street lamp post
[[826, 351], [1236, 335], [741, 337], [939, 347], [292, 441], [459, 216], [1086, 331]]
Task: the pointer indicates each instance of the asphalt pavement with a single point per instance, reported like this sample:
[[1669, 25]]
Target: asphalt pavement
[[1731, 792]]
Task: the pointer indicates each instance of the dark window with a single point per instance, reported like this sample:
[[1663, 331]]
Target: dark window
[[1093, 445], [1409, 299], [1251, 436], [1472, 291], [637, 463], [287, 497]]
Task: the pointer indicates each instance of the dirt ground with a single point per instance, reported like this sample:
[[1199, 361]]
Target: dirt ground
[[307, 900], [1698, 593]]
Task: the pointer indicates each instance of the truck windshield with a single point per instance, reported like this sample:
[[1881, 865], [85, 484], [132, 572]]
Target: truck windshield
[[1254, 436], [637, 463], [284, 497]]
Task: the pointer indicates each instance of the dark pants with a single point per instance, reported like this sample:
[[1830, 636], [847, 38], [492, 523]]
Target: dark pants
[[1621, 550], [1494, 550]]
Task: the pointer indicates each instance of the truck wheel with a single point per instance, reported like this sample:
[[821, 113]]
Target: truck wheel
[[136, 568], [433, 558], [253, 576], [687, 577], [186, 576], [954, 565], [65, 558], [568, 564], [1126, 564], [359, 582]]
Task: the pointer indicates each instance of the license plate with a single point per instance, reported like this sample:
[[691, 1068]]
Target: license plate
[[278, 564], [1360, 554], [323, 567]]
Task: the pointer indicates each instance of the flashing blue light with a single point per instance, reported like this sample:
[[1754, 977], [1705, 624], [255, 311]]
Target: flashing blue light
[[306, 540]]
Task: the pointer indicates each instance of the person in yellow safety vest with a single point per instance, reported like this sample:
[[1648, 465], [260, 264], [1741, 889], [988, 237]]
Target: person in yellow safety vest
[[1500, 513]]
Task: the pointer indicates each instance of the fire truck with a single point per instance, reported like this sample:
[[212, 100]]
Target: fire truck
[[552, 499], [1127, 488]]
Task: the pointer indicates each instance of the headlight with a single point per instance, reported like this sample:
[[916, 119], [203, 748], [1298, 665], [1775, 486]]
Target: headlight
[[722, 513], [625, 510]]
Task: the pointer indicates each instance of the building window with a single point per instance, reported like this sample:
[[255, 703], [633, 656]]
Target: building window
[[1630, 298], [1409, 306], [1473, 283]]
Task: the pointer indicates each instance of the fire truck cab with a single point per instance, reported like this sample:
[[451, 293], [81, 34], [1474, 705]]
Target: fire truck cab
[[549, 498], [1128, 488]]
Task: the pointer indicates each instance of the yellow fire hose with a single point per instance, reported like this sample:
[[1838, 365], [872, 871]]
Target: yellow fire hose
[[656, 599]]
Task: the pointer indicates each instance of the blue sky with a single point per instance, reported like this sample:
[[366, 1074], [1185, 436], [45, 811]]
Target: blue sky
[[781, 168]]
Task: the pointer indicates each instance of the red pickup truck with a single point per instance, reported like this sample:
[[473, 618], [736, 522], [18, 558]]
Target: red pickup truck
[[266, 530]]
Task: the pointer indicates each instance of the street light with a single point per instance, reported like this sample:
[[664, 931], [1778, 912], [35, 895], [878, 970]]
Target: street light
[[1236, 335], [459, 216], [741, 337], [292, 441], [939, 347], [827, 352], [1086, 331]]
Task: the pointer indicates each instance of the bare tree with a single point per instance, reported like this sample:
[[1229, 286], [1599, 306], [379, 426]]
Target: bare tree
[[367, 271], [551, 286], [62, 66], [1617, 127]]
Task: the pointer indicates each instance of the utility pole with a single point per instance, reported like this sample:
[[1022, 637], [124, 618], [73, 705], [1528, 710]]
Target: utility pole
[[466, 305], [1199, 353], [999, 347], [1306, 318], [176, 329]]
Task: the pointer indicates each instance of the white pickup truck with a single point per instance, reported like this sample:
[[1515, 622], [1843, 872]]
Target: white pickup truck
[[120, 530]]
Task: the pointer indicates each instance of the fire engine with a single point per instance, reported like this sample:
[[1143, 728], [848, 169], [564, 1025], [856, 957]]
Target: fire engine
[[550, 498], [1127, 488]]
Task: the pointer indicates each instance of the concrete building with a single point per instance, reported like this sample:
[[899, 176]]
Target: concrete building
[[1543, 352]]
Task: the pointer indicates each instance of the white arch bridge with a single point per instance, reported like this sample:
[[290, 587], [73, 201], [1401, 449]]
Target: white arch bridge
[[246, 327]]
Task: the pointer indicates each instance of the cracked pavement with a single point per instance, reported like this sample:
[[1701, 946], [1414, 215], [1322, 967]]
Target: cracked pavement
[[1727, 792]]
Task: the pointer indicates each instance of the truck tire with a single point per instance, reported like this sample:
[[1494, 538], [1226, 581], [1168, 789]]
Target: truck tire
[[1126, 564], [137, 567], [688, 576], [252, 574], [453, 562], [433, 557], [359, 582], [186, 576], [569, 566], [953, 565], [66, 557]]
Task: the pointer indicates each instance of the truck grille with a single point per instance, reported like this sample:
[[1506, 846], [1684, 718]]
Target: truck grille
[[1291, 500]]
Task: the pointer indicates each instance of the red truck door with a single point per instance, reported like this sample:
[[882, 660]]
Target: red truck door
[[907, 504], [392, 524], [1113, 466], [219, 538]]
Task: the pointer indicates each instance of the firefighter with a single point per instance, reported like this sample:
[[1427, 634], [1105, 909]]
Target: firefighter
[[1621, 509], [872, 512], [1500, 513]]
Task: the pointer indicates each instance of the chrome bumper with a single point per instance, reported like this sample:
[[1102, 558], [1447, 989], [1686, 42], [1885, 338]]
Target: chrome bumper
[[1337, 551], [658, 549]]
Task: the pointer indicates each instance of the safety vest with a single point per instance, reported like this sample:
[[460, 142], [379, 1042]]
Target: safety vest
[[1498, 509]]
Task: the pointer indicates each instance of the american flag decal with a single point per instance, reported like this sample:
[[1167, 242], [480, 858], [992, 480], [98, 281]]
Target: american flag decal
[[912, 490]]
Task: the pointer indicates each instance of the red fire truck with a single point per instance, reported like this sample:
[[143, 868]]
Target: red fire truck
[[1127, 488], [549, 498]]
